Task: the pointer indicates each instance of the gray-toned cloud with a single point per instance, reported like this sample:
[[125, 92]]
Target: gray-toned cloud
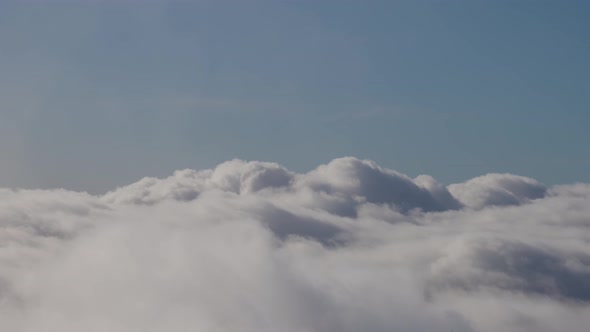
[[497, 189], [234, 176], [252, 246], [516, 267]]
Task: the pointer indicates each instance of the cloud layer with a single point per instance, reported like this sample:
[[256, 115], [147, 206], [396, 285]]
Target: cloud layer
[[252, 246]]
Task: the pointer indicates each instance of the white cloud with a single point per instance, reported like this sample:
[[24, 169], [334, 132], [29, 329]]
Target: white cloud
[[497, 189], [251, 246]]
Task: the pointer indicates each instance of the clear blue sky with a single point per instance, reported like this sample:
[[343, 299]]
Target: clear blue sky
[[95, 94]]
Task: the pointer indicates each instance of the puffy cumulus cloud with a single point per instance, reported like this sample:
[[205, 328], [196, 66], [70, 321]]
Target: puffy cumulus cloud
[[366, 181], [339, 186], [234, 176], [497, 189], [251, 246]]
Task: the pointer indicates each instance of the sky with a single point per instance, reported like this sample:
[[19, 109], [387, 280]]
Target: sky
[[294, 166], [98, 94]]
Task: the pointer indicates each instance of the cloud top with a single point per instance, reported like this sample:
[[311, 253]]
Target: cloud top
[[497, 189], [252, 246]]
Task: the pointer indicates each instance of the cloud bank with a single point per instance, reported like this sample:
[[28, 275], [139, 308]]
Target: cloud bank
[[252, 246]]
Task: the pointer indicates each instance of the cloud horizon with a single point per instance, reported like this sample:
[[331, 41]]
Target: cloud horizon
[[253, 246]]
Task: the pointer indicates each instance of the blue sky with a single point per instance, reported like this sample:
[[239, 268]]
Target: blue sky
[[95, 94]]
